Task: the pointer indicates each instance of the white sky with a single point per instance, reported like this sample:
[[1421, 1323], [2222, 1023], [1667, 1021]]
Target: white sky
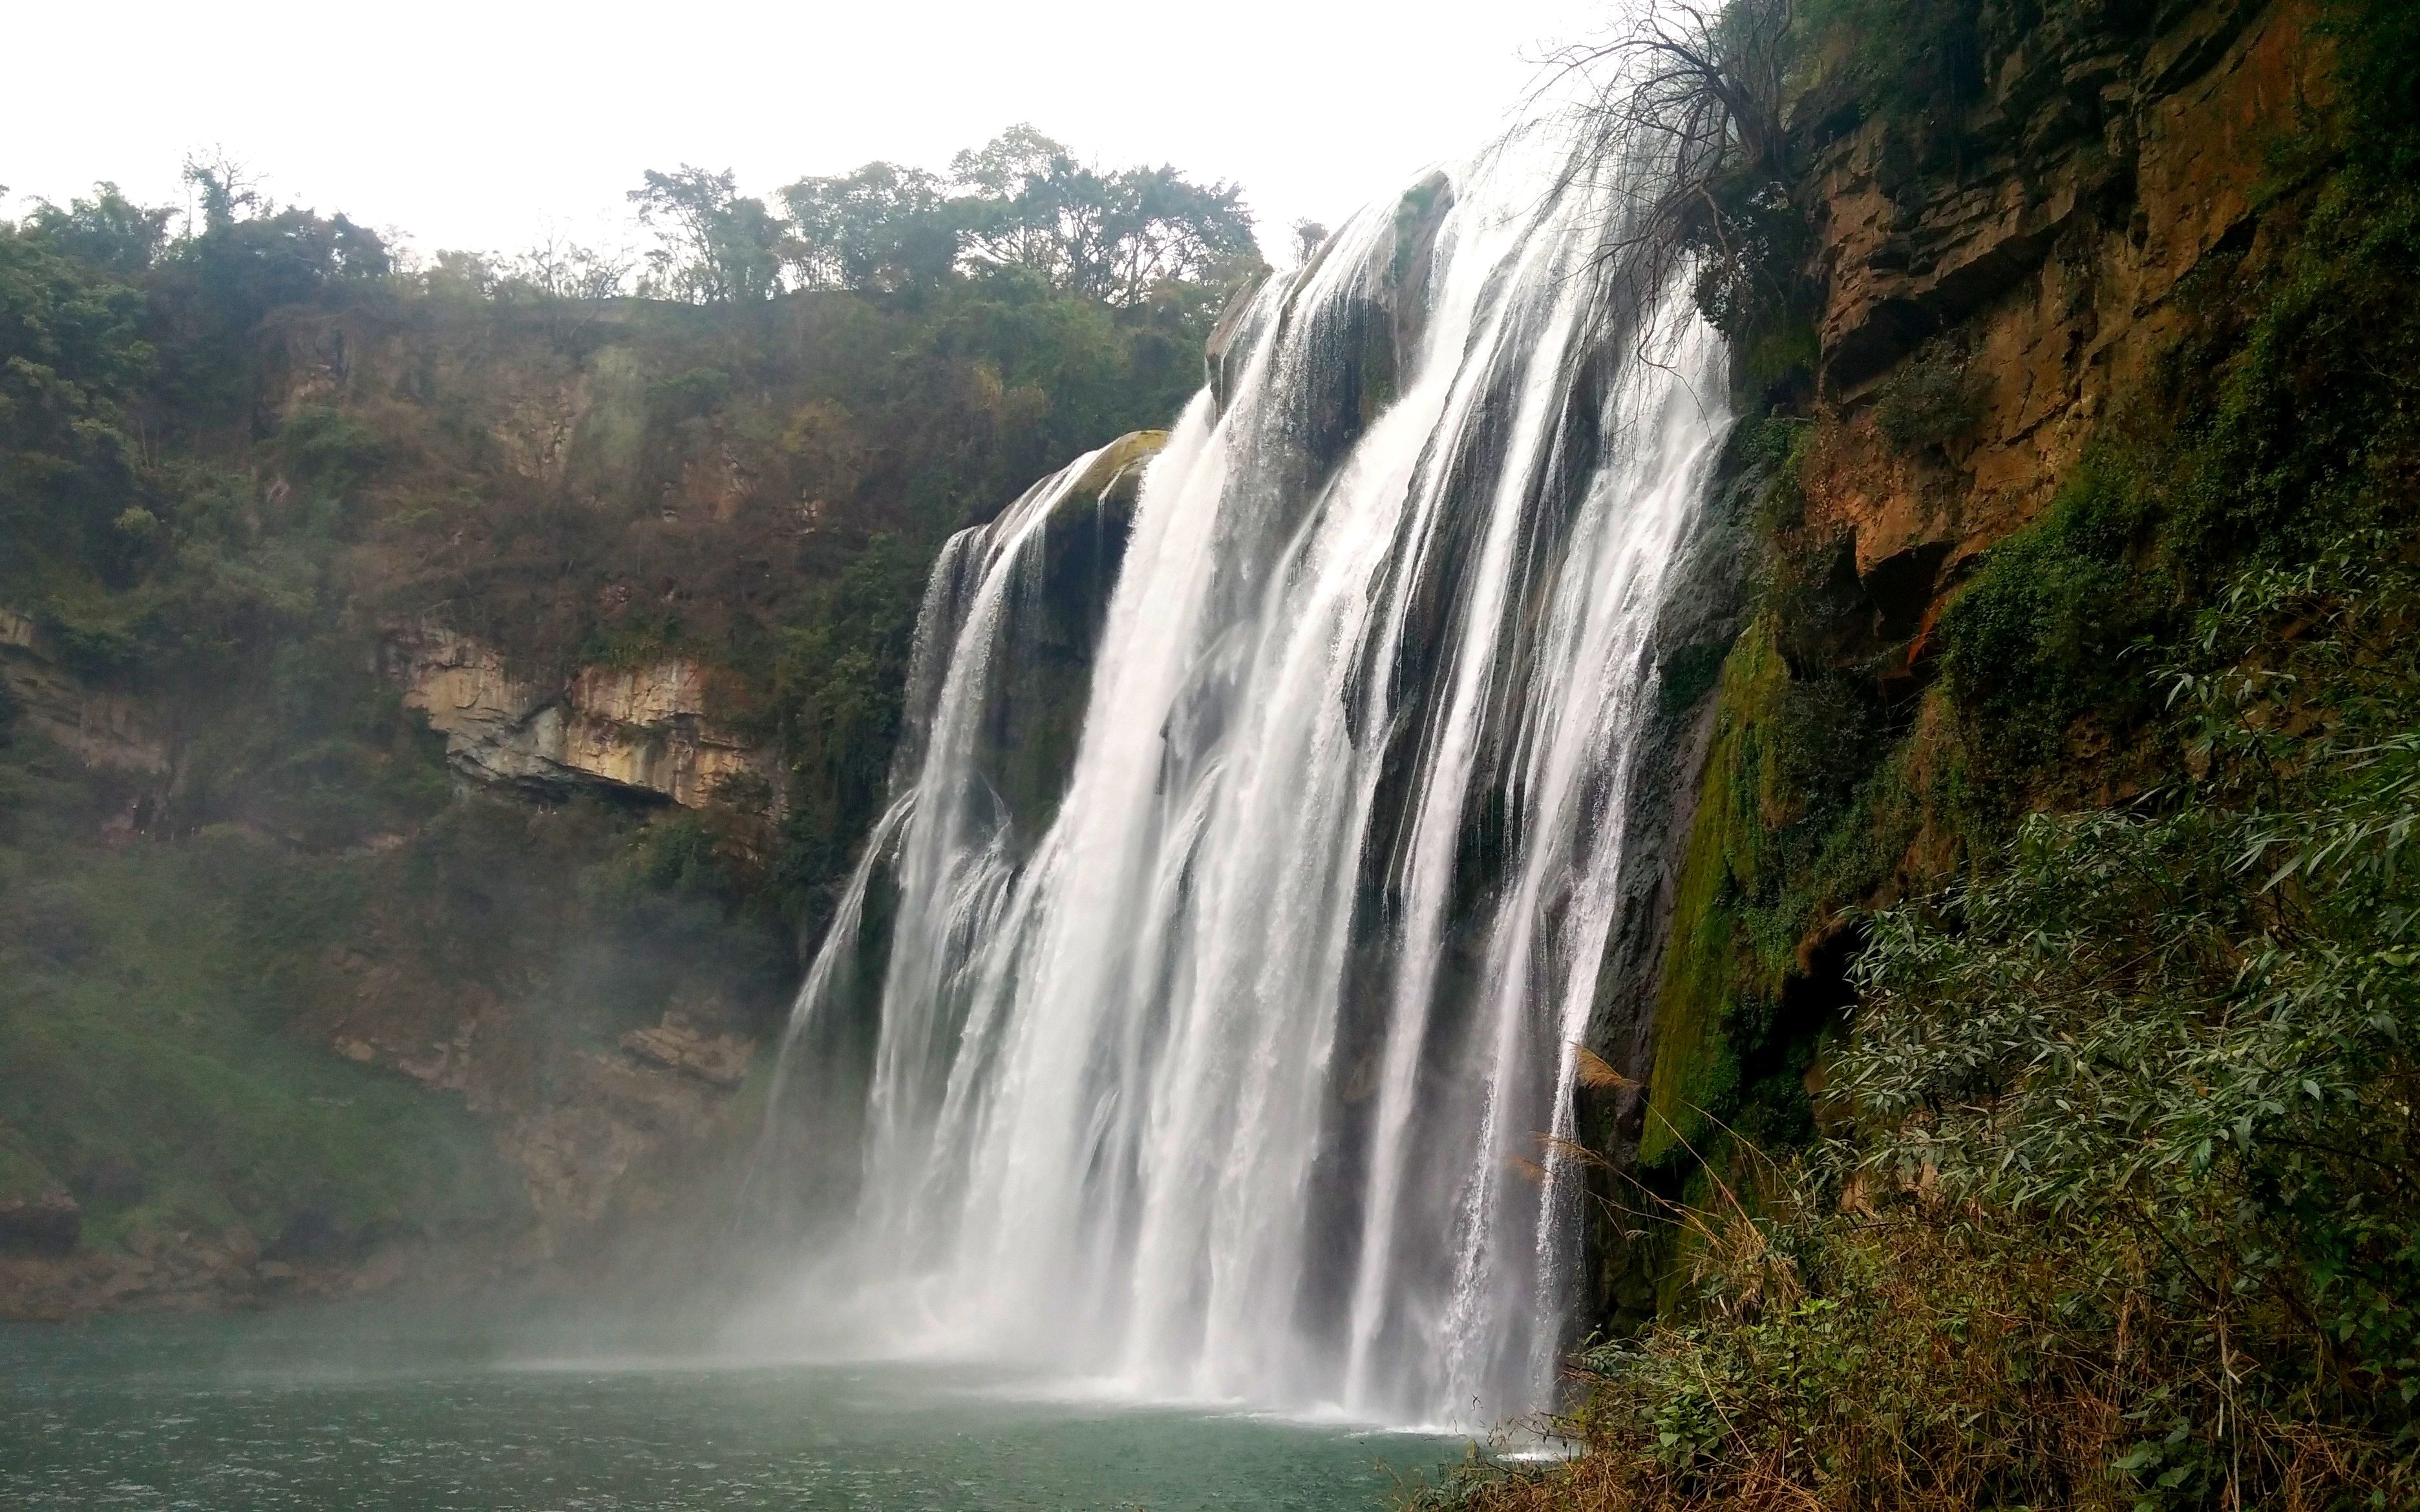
[[481, 125]]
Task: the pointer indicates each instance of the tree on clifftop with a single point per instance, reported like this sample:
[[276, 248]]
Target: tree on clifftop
[[715, 245], [884, 228], [1112, 237]]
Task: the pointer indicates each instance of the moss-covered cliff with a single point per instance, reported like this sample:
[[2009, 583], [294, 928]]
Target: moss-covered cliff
[[2027, 1102]]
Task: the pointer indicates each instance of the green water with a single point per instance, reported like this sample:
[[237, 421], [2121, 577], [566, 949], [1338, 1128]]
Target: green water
[[341, 1411]]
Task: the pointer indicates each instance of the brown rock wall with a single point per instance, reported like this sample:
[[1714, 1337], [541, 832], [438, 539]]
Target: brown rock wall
[[2047, 269]]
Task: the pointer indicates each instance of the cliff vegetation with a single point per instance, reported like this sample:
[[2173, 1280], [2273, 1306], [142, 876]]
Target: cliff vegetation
[[438, 698], [2029, 1119]]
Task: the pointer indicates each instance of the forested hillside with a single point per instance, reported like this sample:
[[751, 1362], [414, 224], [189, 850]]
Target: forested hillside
[[437, 698]]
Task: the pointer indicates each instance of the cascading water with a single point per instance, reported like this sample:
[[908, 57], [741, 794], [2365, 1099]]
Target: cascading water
[[1241, 1069]]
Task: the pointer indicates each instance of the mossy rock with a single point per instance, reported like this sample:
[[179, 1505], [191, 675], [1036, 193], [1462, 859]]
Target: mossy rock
[[1695, 1068], [1036, 711]]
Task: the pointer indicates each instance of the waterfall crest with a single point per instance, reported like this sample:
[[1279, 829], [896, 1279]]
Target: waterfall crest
[[1230, 1058]]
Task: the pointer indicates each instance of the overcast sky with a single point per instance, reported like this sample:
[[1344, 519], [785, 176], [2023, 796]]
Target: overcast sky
[[481, 125]]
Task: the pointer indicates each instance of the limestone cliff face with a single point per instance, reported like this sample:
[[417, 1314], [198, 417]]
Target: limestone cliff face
[[103, 727], [1993, 287], [2029, 283], [603, 1132], [644, 732]]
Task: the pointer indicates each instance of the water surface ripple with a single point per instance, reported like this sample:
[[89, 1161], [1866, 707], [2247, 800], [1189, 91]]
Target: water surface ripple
[[299, 1413]]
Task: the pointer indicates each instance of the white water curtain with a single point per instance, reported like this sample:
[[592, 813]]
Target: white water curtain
[[1235, 1082]]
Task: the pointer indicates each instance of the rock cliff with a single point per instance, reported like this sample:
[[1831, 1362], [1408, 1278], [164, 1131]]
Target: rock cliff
[[647, 732], [1985, 304], [1997, 280], [100, 726]]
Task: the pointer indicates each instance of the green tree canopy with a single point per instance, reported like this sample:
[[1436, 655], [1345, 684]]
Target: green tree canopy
[[1114, 237], [715, 245], [1021, 201], [70, 356], [882, 227]]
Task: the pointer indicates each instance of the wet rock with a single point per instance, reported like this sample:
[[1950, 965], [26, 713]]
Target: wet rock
[[42, 1222]]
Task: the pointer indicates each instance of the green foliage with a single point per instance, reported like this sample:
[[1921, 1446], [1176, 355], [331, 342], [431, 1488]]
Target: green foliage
[[2039, 637], [1805, 805], [71, 355], [1695, 1069], [1931, 402], [1752, 243], [2176, 1042], [717, 246], [883, 228], [210, 288], [672, 909], [2119, 1212], [324, 759], [1112, 237], [108, 232], [688, 396], [1910, 57], [23, 1175], [2304, 412], [144, 997], [840, 683], [332, 451], [2378, 55], [1124, 238]]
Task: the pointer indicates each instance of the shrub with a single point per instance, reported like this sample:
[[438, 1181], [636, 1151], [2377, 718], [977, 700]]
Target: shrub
[[2041, 636], [1933, 401], [2120, 1211]]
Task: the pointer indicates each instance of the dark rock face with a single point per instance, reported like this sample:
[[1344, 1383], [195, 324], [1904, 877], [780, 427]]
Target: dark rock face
[[48, 1222], [112, 1180], [1367, 337], [315, 1235], [1033, 711]]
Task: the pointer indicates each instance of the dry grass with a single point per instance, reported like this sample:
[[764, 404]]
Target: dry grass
[[1901, 1360]]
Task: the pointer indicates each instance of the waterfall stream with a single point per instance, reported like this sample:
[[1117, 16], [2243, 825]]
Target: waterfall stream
[[1235, 1061]]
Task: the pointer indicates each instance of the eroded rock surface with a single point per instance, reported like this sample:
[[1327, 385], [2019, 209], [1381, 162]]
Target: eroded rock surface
[[100, 726], [2114, 159], [641, 731]]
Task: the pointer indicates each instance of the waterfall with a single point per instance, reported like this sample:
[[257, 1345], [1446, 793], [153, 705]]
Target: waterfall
[[1235, 1060]]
